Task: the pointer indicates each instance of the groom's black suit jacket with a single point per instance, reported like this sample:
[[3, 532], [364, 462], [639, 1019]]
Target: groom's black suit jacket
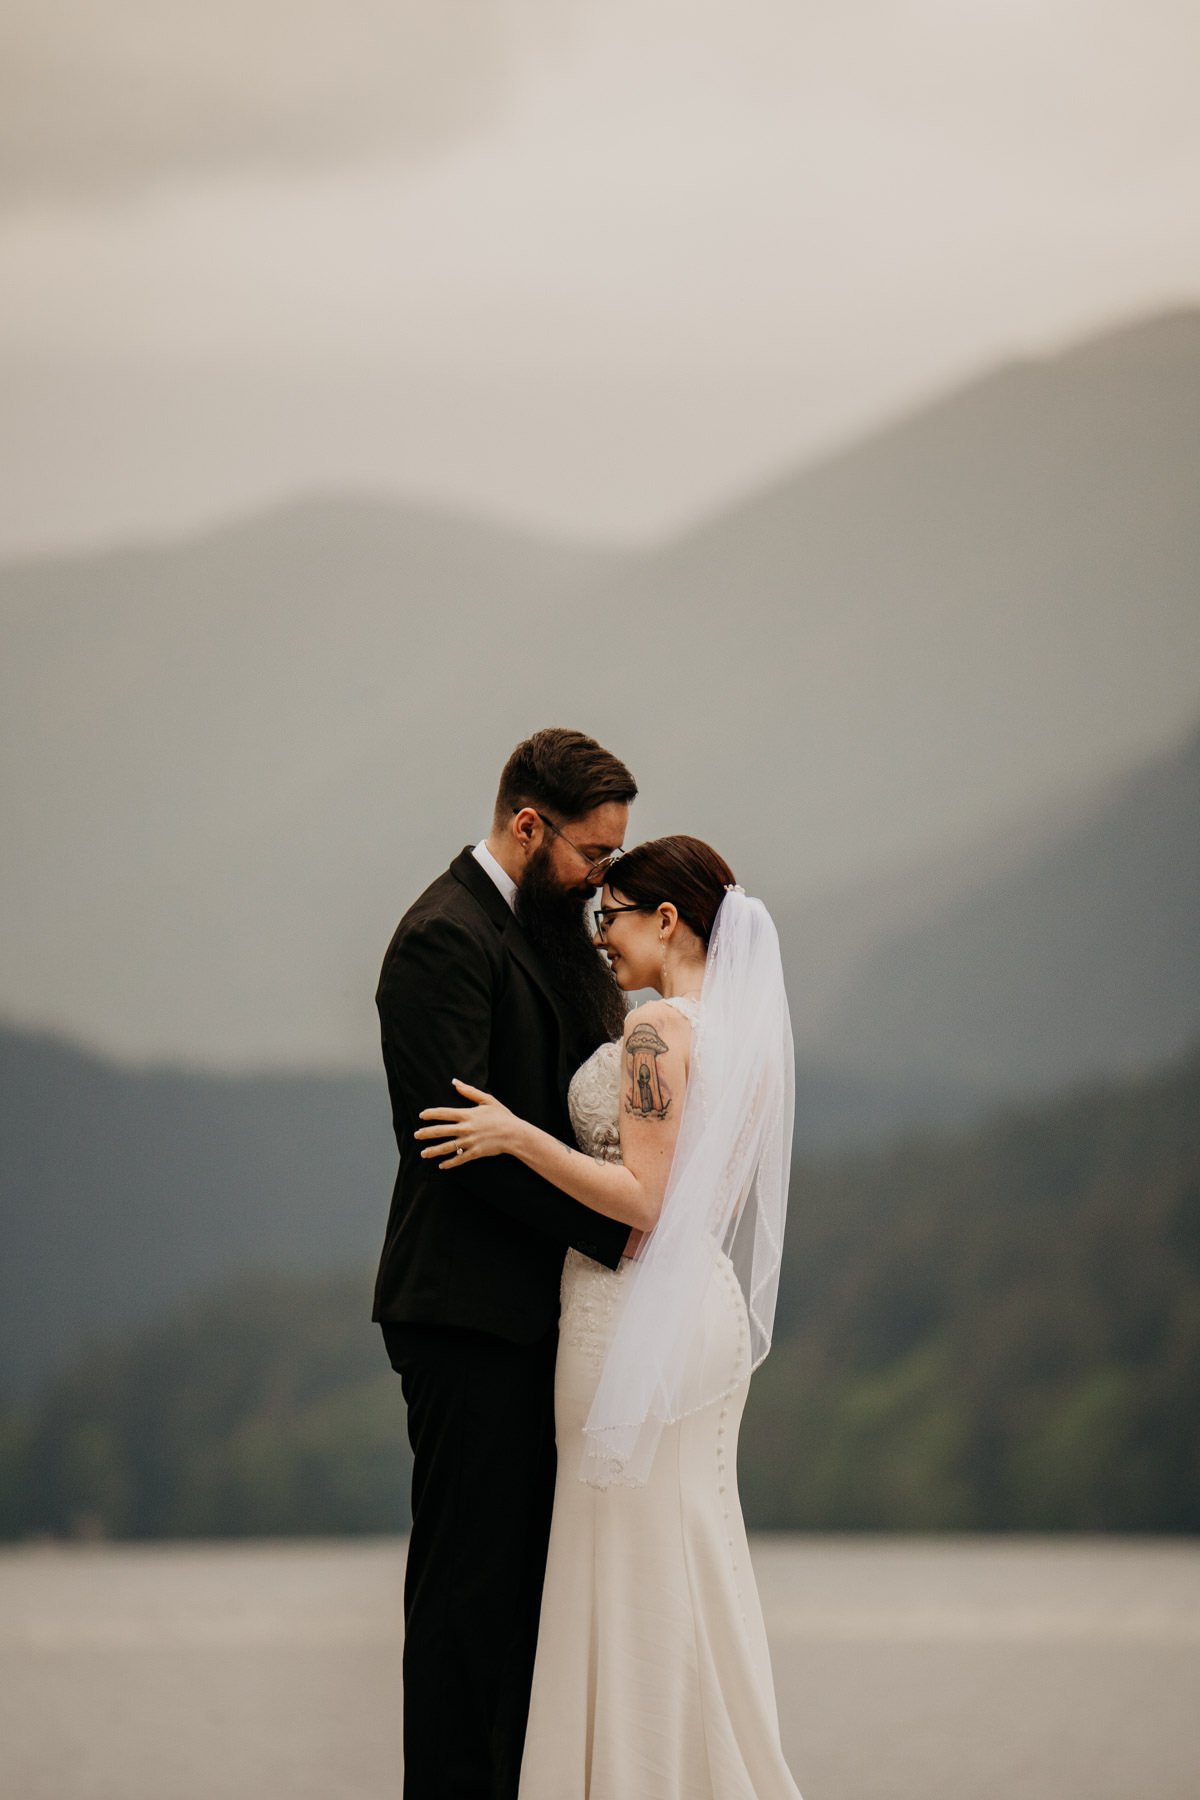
[[463, 992]]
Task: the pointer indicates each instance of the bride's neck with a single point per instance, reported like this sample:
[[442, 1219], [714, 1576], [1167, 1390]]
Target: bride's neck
[[682, 980]]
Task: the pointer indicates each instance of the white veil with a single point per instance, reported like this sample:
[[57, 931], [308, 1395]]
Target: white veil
[[726, 1192]]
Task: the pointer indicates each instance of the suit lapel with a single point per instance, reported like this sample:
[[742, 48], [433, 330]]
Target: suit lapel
[[534, 963], [480, 885]]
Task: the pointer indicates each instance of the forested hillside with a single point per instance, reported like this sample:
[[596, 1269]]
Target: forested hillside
[[995, 1330], [130, 1191], [1000, 1330], [136, 1190], [267, 1408]]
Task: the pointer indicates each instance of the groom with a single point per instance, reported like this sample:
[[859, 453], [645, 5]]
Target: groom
[[490, 977]]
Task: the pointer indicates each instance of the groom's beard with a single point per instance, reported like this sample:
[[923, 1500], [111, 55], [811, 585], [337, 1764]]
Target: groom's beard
[[553, 920]]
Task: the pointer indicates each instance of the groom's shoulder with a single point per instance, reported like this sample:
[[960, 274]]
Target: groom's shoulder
[[447, 911], [444, 895]]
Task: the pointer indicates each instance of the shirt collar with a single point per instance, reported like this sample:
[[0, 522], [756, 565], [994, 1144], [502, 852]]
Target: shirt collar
[[501, 877]]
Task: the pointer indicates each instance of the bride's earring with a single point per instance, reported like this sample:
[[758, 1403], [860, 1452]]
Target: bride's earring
[[662, 944]]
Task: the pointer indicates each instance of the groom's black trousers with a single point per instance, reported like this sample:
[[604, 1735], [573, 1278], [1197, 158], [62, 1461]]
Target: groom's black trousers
[[481, 1426]]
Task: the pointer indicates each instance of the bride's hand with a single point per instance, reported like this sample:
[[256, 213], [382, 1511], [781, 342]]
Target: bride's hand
[[464, 1133]]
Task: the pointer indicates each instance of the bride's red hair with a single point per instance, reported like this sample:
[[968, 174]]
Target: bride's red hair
[[684, 870]]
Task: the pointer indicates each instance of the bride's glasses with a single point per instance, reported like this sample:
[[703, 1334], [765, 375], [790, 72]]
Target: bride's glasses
[[602, 914]]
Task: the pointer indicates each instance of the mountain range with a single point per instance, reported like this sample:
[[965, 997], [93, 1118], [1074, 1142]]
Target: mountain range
[[231, 760], [1080, 957], [130, 1189]]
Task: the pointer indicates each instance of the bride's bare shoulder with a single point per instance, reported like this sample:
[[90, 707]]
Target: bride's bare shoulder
[[659, 1016]]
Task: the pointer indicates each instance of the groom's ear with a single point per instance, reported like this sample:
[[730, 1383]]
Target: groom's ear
[[524, 826]]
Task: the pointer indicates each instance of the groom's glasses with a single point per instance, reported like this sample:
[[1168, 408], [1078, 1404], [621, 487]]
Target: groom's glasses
[[597, 866]]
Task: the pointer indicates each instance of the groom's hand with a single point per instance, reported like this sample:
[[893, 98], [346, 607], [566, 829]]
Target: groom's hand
[[463, 1134]]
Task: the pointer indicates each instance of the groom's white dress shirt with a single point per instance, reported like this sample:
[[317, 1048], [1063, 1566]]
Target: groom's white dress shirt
[[501, 877]]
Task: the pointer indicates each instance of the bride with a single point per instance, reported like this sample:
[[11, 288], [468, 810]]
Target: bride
[[653, 1679]]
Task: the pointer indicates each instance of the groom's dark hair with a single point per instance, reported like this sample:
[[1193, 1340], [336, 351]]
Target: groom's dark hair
[[564, 773]]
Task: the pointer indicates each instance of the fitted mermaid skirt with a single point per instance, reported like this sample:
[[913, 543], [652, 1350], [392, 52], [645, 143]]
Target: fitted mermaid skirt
[[653, 1678]]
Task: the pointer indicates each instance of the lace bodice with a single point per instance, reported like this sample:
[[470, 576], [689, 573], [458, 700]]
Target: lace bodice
[[589, 1290], [594, 1097]]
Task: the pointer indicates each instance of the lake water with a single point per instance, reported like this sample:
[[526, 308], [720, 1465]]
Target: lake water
[[907, 1669]]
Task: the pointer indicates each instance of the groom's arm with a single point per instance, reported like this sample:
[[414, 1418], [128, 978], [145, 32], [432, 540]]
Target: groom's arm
[[435, 1000]]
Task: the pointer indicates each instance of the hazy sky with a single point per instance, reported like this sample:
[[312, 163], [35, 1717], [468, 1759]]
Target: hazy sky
[[592, 267]]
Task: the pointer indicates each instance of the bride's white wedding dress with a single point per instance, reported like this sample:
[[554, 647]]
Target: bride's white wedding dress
[[653, 1678]]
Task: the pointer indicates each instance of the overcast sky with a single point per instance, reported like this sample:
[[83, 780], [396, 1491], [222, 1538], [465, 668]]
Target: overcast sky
[[595, 268]]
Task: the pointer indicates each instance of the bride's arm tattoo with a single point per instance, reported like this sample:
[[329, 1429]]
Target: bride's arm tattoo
[[647, 1095]]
